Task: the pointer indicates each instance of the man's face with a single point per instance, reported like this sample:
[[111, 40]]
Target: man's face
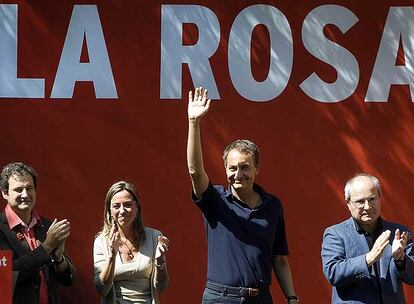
[[22, 193], [365, 201], [241, 170]]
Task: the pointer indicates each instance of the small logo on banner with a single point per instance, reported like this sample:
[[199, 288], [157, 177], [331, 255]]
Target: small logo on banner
[[6, 279]]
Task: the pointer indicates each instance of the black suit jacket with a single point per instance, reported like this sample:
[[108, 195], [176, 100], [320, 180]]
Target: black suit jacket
[[29, 264]]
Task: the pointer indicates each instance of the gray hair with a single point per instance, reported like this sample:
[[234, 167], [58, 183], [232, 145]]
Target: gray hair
[[350, 181], [244, 146]]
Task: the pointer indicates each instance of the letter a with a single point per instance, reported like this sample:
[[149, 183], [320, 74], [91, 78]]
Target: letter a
[[84, 23], [399, 24]]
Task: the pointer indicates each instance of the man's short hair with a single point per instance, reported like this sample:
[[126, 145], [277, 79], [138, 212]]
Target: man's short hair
[[18, 169], [244, 146], [348, 184]]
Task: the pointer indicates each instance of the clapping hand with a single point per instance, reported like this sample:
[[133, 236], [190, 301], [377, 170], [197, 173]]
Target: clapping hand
[[57, 233], [162, 248], [398, 245], [114, 239], [378, 249]]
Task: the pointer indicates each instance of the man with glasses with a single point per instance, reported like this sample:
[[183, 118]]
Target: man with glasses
[[365, 258]]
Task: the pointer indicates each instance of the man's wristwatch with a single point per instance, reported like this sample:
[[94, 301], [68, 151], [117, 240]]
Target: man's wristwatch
[[292, 298], [58, 262]]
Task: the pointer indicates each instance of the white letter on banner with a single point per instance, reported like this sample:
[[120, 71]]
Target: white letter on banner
[[10, 85], [399, 25], [84, 23], [281, 52], [330, 52], [174, 54]]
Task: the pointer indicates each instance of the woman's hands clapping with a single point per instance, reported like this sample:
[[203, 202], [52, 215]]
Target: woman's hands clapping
[[161, 250], [114, 239]]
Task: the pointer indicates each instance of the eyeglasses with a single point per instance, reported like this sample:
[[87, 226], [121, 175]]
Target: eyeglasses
[[372, 200]]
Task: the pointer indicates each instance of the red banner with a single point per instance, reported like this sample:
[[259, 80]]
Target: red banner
[[95, 91], [6, 278]]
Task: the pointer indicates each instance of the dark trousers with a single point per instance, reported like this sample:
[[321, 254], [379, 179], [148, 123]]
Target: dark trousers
[[215, 293]]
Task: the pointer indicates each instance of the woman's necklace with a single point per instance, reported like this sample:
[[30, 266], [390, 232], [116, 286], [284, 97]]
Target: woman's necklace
[[130, 253]]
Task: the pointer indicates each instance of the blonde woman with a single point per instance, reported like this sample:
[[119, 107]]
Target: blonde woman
[[129, 259]]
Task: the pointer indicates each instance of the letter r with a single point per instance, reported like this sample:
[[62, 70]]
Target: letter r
[[174, 54]]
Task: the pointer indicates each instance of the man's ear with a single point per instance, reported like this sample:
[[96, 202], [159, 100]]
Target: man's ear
[[5, 195]]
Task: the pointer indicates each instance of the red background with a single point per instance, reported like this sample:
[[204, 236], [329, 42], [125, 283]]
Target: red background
[[6, 278], [80, 146]]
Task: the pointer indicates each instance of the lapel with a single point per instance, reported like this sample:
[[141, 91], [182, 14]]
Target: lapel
[[361, 248], [359, 241], [40, 230], [18, 246], [386, 257]]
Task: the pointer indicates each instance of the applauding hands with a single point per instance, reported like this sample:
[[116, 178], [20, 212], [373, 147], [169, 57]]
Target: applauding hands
[[378, 249], [56, 235], [114, 239], [399, 244], [161, 250]]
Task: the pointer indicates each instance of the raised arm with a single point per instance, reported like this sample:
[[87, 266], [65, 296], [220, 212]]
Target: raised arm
[[198, 106]]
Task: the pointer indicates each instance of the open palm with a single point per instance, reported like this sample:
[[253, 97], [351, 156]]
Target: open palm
[[199, 104]]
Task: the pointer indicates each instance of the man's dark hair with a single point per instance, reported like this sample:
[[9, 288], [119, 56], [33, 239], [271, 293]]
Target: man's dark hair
[[244, 146], [18, 169]]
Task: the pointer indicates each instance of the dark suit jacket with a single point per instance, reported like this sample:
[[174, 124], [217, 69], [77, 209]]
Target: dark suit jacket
[[343, 260], [29, 263]]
